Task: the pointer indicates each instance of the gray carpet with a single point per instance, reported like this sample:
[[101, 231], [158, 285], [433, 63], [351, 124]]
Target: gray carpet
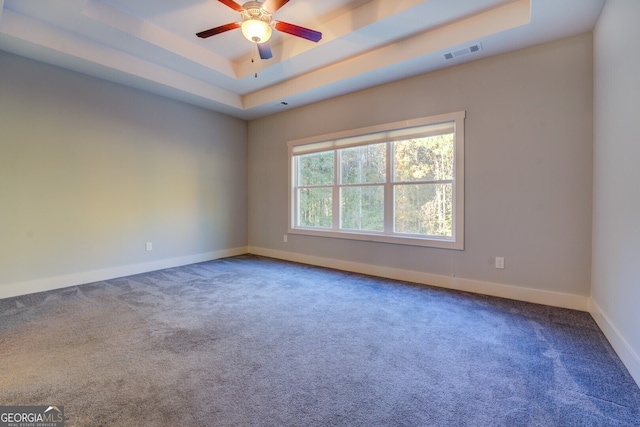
[[251, 341]]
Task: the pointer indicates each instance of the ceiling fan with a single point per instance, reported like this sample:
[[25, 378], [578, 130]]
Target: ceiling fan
[[257, 24]]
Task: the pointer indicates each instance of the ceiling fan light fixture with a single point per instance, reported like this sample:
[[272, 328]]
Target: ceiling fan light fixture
[[256, 31], [257, 25]]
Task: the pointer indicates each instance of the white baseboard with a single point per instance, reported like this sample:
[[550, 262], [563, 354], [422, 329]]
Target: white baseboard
[[555, 299], [629, 357], [627, 354], [50, 283]]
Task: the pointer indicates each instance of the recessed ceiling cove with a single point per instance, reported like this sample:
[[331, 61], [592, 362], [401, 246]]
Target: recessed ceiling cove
[[152, 44]]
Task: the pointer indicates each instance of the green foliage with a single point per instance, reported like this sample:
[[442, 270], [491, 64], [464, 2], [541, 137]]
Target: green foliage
[[423, 171], [423, 159], [316, 169], [364, 164], [424, 208], [316, 207], [362, 208]]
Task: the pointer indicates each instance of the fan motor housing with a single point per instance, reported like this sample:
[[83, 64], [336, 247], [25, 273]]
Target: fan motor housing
[[254, 10]]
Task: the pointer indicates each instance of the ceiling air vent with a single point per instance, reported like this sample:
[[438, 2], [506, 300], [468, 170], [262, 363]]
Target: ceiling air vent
[[462, 52]]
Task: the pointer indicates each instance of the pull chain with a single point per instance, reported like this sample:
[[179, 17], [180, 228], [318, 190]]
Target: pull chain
[[254, 49]]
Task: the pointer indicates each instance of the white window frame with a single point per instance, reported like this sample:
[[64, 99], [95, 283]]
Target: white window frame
[[384, 133]]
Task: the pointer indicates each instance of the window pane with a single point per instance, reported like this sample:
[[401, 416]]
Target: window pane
[[363, 165], [423, 159], [395, 183], [316, 169], [424, 209], [362, 208], [315, 209]]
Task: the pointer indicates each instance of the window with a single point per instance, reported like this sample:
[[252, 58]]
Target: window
[[397, 183]]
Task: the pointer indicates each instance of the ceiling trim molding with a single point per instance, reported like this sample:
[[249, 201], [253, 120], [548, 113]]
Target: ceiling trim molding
[[122, 21], [502, 18], [368, 14], [40, 36], [151, 45]]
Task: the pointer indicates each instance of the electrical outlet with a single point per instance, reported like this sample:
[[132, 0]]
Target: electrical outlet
[[284, 239], [500, 263], [148, 246]]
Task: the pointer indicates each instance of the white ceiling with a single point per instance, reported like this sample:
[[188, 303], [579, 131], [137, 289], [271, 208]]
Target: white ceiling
[[151, 44]]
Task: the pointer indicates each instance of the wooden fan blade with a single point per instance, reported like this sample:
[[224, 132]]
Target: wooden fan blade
[[273, 5], [265, 50], [218, 30], [233, 5], [298, 31]]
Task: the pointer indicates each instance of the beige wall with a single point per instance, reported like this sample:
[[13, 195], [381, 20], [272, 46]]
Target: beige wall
[[528, 172], [616, 213], [90, 171]]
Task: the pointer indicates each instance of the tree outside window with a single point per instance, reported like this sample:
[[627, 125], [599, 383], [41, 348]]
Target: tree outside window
[[399, 185]]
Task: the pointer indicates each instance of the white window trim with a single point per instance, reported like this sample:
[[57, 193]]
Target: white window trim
[[341, 140]]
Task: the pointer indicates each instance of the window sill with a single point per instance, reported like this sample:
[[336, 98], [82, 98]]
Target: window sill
[[431, 242]]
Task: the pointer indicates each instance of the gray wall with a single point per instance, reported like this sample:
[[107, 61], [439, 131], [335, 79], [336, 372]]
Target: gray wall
[[90, 171], [528, 168], [616, 213]]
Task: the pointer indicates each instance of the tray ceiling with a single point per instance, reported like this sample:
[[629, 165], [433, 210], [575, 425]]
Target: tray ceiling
[[151, 44]]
